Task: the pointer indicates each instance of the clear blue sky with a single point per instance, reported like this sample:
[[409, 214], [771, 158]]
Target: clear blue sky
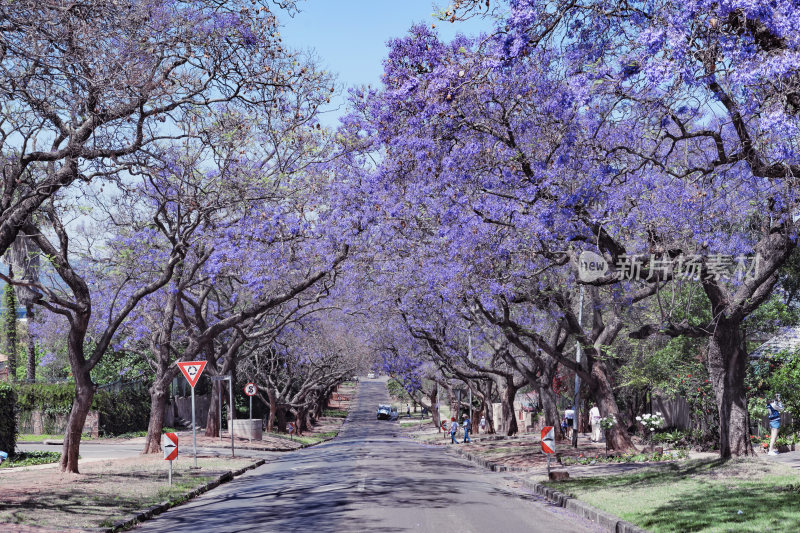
[[349, 36]]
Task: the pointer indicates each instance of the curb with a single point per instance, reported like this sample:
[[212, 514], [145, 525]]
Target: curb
[[494, 467], [164, 506], [574, 505]]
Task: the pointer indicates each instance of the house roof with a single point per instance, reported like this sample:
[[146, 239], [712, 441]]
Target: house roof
[[788, 339]]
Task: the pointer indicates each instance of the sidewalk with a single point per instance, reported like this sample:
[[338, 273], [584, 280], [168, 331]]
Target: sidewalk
[[788, 458], [522, 453]]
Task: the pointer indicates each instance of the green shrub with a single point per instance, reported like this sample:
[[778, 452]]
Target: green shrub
[[124, 411], [120, 411], [31, 458], [8, 419], [49, 398]]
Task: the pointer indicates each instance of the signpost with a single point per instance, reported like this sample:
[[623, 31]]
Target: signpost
[[229, 379], [548, 444], [169, 442], [192, 370], [291, 428], [250, 389]]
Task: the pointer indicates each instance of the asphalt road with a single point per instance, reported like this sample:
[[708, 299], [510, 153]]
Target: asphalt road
[[368, 479]]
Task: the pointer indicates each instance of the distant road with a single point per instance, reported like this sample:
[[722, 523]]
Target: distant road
[[368, 479]]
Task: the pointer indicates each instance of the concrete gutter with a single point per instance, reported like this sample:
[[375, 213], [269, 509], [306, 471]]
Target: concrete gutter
[[603, 519]]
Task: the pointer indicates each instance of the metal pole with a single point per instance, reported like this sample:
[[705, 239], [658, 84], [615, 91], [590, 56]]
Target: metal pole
[[219, 402], [170, 473], [230, 409], [250, 421], [577, 377], [194, 432]]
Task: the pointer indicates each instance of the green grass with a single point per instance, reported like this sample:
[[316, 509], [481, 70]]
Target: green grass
[[30, 459], [30, 437], [627, 458], [699, 495], [336, 413], [307, 439]]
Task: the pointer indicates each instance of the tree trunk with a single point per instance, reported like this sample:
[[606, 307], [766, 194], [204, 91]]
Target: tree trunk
[[509, 423], [158, 404], [212, 421], [31, 366], [84, 392], [550, 409], [603, 393], [451, 397], [280, 418], [434, 397], [10, 327], [727, 365], [273, 408], [300, 421]]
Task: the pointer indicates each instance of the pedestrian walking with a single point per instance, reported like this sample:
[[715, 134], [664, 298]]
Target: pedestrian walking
[[569, 417], [408, 410], [775, 407], [453, 430], [483, 424], [467, 424], [594, 419]]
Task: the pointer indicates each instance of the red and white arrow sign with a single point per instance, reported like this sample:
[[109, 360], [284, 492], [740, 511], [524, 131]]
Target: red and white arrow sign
[[548, 439], [192, 370], [169, 442]]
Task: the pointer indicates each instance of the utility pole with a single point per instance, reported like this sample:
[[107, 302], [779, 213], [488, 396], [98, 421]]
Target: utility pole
[[577, 377]]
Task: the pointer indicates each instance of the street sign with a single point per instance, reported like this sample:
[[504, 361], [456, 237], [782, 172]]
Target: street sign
[[192, 370], [291, 428], [250, 389], [548, 439], [169, 442]]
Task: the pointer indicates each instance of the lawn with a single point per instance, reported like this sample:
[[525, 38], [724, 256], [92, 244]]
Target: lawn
[[312, 438], [30, 437], [103, 493], [699, 495], [413, 422]]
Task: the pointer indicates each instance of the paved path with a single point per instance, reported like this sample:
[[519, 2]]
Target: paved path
[[788, 458], [368, 479]]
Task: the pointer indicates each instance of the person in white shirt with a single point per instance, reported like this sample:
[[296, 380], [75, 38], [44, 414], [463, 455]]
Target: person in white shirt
[[483, 424], [774, 407], [594, 419], [569, 416], [453, 430]]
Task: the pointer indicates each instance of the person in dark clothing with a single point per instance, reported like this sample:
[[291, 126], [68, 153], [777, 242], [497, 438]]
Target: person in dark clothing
[[467, 424]]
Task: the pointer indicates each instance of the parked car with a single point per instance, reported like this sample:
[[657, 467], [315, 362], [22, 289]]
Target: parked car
[[387, 412], [371, 375]]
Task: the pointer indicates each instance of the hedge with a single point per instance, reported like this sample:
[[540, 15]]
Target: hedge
[[120, 412], [8, 419]]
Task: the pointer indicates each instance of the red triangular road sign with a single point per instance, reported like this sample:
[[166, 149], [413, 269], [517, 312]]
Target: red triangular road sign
[[192, 370], [548, 439]]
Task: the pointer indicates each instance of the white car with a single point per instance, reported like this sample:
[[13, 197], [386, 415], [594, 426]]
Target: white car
[[371, 375]]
